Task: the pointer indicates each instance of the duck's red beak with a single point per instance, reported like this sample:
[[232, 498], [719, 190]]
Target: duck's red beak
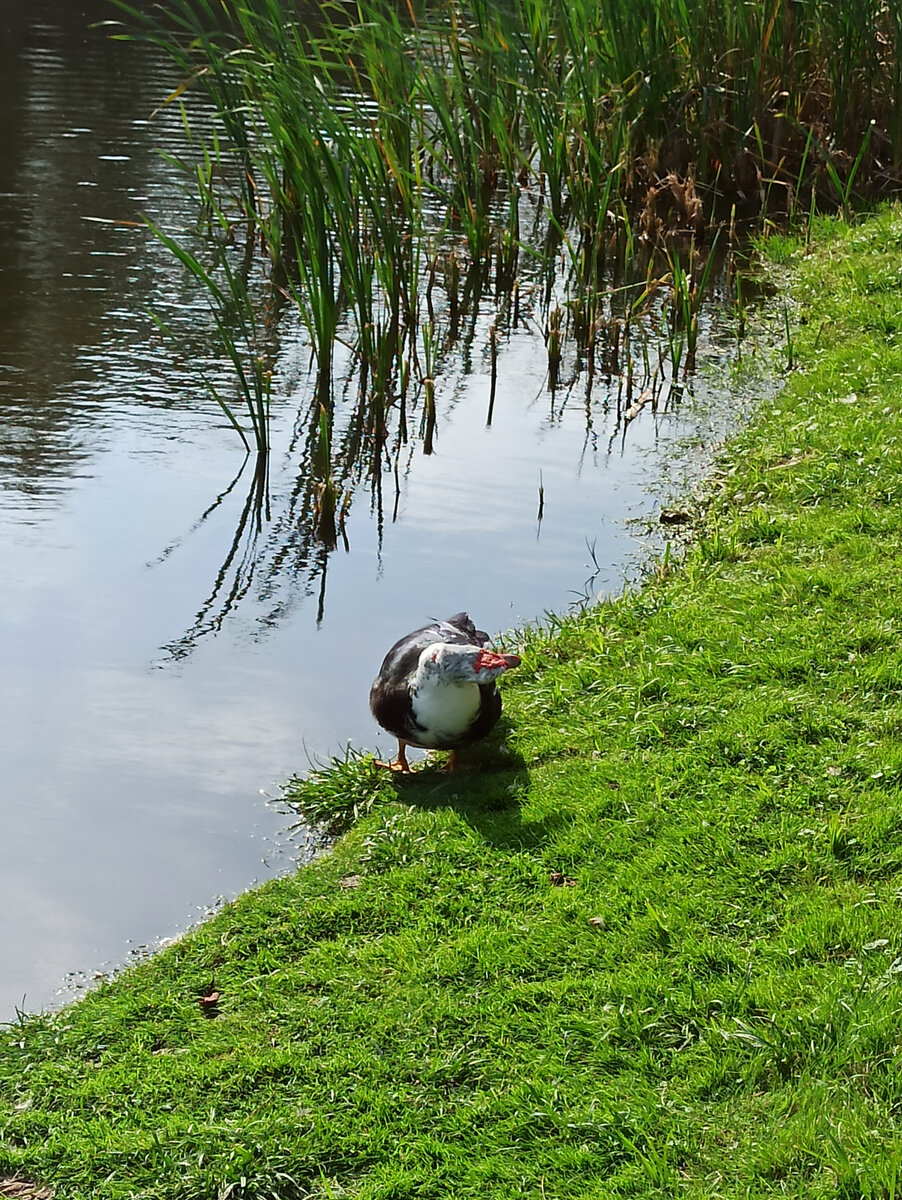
[[486, 660]]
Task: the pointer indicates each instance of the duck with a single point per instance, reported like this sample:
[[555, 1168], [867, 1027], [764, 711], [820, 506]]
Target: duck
[[436, 689]]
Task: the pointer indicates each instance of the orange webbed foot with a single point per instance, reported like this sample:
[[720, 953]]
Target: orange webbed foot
[[400, 764]]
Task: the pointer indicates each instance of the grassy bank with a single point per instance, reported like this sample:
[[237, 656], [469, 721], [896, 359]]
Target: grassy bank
[[653, 949]]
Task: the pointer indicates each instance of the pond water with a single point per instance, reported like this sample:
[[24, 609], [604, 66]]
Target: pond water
[[167, 658]]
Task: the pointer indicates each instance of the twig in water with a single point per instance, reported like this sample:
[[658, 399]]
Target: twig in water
[[637, 405]]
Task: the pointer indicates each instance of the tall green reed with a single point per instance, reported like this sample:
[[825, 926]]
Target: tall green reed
[[369, 143]]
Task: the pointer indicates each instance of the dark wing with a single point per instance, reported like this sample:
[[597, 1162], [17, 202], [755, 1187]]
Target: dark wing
[[390, 705], [457, 630], [461, 629]]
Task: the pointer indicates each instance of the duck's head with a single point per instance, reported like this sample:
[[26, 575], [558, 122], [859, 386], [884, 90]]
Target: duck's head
[[449, 663]]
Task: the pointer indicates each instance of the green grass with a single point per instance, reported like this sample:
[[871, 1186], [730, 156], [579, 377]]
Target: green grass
[[651, 947]]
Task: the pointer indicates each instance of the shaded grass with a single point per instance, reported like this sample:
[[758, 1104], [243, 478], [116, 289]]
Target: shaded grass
[[650, 948]]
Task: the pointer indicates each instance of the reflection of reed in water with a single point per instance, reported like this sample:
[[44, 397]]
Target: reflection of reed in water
[[360, 438], [235, 577]]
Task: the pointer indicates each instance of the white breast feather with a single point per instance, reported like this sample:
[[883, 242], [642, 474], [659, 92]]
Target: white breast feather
[[444, 711]]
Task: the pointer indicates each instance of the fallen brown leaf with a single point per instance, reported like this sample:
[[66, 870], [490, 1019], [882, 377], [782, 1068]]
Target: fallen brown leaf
[[209, 998], [21, 1189]]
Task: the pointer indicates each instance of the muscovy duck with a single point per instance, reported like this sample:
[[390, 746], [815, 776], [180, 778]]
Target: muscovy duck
[[436, 688]]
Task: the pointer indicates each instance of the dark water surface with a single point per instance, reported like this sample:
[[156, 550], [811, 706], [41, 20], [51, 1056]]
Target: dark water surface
[[160, 670]]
